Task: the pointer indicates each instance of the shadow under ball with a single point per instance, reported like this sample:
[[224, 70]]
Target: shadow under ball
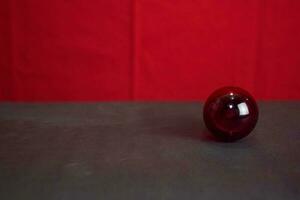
[[230, 113]]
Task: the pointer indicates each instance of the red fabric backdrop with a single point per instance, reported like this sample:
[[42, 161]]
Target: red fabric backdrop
[[147, 49]]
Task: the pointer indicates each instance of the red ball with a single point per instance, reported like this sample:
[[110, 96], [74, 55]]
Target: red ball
[[230, 113]]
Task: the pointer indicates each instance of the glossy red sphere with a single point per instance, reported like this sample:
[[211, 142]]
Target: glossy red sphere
[[230, 113]]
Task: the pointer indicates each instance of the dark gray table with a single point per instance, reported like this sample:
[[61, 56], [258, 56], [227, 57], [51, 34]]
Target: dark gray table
[[144, 151]]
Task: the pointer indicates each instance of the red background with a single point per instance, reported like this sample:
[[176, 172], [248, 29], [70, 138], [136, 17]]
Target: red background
[[100, 50]]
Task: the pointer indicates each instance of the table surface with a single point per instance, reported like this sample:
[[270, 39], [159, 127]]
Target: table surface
[[144, 151]]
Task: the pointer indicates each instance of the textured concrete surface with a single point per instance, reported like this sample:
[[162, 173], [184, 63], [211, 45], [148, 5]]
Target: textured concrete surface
[[144, 151]]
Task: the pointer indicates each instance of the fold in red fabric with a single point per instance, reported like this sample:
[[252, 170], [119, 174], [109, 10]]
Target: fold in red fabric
[[95, 50]]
